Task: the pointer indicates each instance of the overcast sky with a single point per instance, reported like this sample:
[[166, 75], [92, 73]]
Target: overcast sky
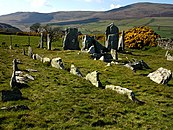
[[46, 6]]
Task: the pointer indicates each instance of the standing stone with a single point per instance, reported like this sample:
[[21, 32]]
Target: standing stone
[[48, 42], [112, 42], [93, 77], [71, 39], [57, 63], [87, 42], [30, 51], [112, 37], [13, 80], [121, 42], [161, 76], [41, 40]]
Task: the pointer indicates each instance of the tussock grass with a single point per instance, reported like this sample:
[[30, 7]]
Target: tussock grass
[[60, 100]]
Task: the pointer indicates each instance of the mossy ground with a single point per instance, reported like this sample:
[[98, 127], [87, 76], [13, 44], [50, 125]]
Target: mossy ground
[[60, 100]]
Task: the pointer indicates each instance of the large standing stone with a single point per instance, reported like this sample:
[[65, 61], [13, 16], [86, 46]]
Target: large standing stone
[[57, 63], [111, 42], [161, 76], [112, 37], [74, 70], [93, 77], [71, 39], [13, 80]]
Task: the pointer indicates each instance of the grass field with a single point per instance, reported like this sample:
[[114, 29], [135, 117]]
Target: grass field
[[59, 100], [161, 25]]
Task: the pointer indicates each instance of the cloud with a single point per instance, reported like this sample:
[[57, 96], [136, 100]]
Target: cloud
[[97, 1], [113, 6], [38, 3]]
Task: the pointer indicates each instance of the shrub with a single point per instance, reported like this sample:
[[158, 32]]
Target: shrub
[[138, 37]]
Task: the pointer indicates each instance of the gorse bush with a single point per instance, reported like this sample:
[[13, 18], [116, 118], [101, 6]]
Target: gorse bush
[[138, 37]]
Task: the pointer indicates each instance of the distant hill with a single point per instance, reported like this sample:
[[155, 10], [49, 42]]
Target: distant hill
[[137, 10], [6, 28]]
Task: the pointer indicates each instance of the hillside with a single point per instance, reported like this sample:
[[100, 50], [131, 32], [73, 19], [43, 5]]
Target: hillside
[[8, 28], [138, 10]]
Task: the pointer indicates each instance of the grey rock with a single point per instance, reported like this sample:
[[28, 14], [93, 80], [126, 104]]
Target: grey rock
[[93, 77], [161, 76], [129, 93], [71, 39], [122, 90], [46, 60], [137, 65], [112, 37], [74, 70], [30, 53], [168, 56], [57, 63]]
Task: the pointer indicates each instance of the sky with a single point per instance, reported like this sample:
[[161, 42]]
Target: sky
[[47, 6]]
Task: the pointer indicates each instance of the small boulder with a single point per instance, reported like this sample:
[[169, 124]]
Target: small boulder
[[122, 90], [161, 76], [57, 63], [74, 70], [93, 77], [46, 60]]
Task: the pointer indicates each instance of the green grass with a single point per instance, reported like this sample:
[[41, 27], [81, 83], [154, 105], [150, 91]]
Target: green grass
[[60, 100], [165, 23]]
